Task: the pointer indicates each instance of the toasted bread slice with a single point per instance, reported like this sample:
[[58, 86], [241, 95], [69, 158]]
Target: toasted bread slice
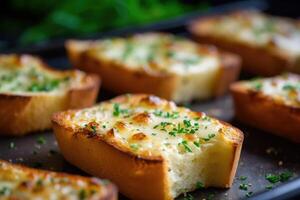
[[23, 183], [156, 63], [149, 147], [268, 45], [271, 104], [30, 92]]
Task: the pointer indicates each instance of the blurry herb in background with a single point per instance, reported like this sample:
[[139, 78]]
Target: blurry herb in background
[[69, 18]]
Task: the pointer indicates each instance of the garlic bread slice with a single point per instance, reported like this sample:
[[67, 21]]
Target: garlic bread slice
[[30, 92], [149, 147], [23, 183], [162, 64]]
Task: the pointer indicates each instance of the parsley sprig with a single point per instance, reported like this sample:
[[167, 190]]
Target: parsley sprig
[[117, 111]]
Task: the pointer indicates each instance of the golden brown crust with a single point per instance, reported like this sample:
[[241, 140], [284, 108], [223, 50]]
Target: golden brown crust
[[129, 172], [137, 176], [260, 111], [19, 114], [160, 84], [255, 60], [109, 193]]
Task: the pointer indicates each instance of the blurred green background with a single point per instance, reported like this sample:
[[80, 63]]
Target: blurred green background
[[32, 21]]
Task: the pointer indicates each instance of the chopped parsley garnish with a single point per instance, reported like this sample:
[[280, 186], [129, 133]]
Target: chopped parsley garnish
[[209, 136], [257, 85], [184, 143], [187, 123], [191, 61], [39, 183], [171, 115], [162, 125], [135, 147], [290, 87], [92, 127], [199, 185], [41, 140], [249, 194], [243, 186], [12, 145], [197, 144], [82, 194], [47, 85], [127, 51], [285, 176], [206, 118], [118, 111], [281, 177], [243, 178], [5, 191]]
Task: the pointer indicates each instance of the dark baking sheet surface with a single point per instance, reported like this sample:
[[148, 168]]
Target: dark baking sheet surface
[[262, 153]]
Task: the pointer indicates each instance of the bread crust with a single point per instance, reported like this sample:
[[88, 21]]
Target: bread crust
[[263, 112], [110, 190], [142, 177], [140, 81], [255, 60], [25, 113]]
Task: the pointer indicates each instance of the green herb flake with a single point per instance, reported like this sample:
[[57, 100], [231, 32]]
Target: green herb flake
[[243, 186], [209, 136], [289, 87], [135, 147], [206, 118], [117, 111], [188, 197], [285, 176], [281, 177], [12, 145], [41, 140], [197, 144], [199, 185], [5, 191], [184, 143], [243, 178], [82, 194], [249, 194]]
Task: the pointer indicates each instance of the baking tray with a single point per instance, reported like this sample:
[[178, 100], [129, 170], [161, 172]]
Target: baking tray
[[262, 153]]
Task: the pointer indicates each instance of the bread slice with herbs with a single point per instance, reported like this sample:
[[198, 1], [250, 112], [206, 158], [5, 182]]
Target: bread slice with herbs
[[22, 183], [149, 147], [268, 45], [270, 104], [157, 63], [30, 92]]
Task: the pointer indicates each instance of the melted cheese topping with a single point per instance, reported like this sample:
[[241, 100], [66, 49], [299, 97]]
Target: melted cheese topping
[[284, 88], [25, 75], [258, 29], [149, 126], [22, 183], [156, 53]]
